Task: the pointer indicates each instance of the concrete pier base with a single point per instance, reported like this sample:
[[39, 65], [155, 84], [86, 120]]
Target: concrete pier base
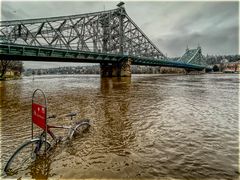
[[119, 69]]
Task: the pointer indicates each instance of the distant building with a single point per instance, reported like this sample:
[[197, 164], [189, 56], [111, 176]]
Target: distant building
[[231, 67], [227, 67], [12, 73], [224, 61]]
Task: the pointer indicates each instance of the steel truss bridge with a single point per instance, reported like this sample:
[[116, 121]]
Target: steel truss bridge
[[105, 37]]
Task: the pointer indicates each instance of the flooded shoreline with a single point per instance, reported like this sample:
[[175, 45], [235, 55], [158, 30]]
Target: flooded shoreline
[[147, 126]]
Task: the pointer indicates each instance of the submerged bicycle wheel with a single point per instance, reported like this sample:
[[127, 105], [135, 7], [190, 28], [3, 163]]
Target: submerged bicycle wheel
[[80, 127], [25, 155]]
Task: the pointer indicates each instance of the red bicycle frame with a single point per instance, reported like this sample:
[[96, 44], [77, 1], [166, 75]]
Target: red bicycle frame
[[39, 115]]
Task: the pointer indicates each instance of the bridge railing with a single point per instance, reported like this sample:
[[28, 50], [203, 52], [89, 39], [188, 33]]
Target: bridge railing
[[30, 53]]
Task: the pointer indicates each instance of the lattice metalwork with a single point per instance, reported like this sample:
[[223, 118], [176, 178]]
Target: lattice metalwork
[[110, 31], [193, 56]]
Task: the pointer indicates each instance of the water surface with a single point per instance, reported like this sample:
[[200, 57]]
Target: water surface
[[149, 126]]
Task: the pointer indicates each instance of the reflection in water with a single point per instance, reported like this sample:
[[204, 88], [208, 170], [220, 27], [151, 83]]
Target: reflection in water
[[40, 169], [117, 130], [161, 126]]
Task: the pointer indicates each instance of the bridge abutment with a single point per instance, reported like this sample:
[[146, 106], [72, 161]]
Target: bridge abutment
[[119, 69]]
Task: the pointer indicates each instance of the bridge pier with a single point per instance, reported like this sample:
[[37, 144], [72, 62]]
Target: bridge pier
[[119, 69]]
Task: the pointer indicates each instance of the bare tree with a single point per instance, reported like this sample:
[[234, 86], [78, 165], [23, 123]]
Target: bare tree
[[6, 65]]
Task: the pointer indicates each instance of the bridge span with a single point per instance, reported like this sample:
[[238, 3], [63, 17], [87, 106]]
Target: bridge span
[[110, 38]]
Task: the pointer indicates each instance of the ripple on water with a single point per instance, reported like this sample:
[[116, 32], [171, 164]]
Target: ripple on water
[[176, 127]]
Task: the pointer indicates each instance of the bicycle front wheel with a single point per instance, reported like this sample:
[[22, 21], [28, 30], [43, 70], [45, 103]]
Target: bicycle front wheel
[[79, 127], [25, 155]]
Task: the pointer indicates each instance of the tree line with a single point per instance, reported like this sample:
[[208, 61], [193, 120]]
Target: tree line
[[17, 66], [7, 65], [217, 59]]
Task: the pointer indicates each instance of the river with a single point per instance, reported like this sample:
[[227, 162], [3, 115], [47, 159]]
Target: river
[[146, 126]]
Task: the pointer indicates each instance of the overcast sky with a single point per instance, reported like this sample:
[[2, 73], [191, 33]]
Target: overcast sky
[[170, 25]]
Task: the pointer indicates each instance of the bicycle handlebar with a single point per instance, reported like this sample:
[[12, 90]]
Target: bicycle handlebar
[[68, 115], [71, 114]]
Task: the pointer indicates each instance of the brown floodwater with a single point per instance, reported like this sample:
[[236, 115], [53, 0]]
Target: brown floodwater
[[147, 126]]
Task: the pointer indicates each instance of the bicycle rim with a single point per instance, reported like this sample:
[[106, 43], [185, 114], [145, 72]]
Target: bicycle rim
[[24, 156], [80, 128]]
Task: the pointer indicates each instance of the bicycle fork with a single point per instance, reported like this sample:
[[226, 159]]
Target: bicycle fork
[[39, 144]]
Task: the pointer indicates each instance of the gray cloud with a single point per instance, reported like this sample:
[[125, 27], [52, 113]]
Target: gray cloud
[[9, 12], [170, 25], [207, 40]]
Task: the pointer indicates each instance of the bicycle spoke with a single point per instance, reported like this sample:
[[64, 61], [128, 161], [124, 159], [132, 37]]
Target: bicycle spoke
[[23, 157], [80, 128]]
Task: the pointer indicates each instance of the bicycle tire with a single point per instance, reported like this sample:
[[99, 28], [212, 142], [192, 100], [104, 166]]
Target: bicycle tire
[[79, 127], [26, 152]]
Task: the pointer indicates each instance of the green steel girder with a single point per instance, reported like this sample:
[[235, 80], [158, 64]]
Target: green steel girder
[[27, 51], [13, 51]]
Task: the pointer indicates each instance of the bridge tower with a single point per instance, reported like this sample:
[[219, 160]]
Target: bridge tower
[[122, 67]]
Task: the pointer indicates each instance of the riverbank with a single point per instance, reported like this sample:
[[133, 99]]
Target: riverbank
[[96, 70], [10, 78]]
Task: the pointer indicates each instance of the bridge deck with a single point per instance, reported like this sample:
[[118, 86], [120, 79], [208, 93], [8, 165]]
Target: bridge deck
[[33, 53]]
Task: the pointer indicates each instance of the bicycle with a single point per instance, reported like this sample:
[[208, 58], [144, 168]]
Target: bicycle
[[36, 147]]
